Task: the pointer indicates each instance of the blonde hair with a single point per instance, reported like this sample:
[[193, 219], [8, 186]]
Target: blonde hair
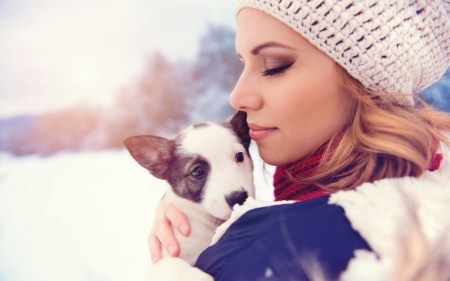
[[384, 140]]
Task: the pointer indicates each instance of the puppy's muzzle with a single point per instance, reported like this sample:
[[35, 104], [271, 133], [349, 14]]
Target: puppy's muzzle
[[236, 197]]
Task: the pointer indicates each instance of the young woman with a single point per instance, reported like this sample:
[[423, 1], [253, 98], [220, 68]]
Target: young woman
[[328, 88]]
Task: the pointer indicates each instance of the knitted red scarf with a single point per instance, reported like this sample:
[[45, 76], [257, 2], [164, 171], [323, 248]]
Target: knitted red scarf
[[287, 189]]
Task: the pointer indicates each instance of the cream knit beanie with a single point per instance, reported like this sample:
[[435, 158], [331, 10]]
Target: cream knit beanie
[[390, 46]]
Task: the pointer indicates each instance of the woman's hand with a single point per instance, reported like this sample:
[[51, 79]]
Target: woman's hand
[[162, 233]]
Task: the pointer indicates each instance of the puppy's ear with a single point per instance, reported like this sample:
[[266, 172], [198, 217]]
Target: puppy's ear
[[151, 152], [239, 125]]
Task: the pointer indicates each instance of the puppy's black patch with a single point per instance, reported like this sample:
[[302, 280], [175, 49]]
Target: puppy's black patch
[[239, 126], [183, 175]]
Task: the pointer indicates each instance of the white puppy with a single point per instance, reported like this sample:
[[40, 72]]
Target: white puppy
[[208, 170]]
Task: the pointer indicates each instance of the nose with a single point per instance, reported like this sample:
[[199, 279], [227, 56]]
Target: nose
[[245, 95], [236, 197]]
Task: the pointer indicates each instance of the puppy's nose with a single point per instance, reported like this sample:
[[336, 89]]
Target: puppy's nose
[[236, 197]]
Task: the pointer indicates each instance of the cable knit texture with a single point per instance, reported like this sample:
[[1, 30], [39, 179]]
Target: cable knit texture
[[390, 46], [286, 187]]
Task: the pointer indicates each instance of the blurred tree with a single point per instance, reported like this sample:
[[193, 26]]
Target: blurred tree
[[168, 96], [217, 65], [156, 103], [64, 130], [215, 72]]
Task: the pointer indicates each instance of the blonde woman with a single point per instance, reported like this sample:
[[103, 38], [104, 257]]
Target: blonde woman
[[329, 91]]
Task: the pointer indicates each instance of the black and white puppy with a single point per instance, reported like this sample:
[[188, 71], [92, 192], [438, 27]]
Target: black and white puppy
[[208, 170]]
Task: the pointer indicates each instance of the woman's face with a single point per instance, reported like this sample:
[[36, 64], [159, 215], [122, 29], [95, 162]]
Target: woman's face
[[289, 89]]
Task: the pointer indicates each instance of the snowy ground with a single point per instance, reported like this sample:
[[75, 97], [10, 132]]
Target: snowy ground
[[83, 216]]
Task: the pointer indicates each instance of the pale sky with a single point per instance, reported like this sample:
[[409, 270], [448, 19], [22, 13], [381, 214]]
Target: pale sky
[[59, 53]]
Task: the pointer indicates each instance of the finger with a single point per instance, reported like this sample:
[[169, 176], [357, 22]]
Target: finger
[[164, 233], [178, 219], [154, 246]]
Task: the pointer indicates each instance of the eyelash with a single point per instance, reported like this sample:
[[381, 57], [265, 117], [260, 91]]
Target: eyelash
[[277, 70]]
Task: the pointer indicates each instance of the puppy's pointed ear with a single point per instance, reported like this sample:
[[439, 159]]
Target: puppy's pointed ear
[[240, 127], [151, 152]]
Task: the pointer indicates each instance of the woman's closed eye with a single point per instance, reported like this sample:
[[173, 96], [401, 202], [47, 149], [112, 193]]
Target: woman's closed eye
[[277, 70]]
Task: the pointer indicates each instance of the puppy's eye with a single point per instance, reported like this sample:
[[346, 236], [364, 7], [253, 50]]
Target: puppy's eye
[[239, 157], [197, 172]]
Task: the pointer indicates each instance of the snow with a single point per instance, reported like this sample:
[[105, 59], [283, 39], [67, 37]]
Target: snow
[[81, 216]]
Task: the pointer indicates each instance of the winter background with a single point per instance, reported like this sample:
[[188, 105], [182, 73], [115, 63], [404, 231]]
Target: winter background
[[78, 77]]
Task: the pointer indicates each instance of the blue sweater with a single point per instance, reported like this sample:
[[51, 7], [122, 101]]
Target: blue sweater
[[273, 243]]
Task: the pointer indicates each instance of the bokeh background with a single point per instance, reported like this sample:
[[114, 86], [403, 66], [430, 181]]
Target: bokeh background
[[78, 77]]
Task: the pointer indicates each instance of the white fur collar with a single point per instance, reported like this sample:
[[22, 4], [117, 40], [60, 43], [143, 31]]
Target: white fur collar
[[405, 221]]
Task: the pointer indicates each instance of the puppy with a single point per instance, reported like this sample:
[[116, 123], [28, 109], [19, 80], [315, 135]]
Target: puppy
[[208, 170]]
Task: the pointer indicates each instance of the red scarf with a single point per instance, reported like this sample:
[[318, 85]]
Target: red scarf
[[286, 188]]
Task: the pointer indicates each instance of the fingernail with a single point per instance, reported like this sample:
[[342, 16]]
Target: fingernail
[[154, 259], [171, 250], [183, 229]]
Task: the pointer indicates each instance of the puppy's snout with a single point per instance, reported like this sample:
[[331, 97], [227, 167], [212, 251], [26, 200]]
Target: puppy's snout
[[236, 197]]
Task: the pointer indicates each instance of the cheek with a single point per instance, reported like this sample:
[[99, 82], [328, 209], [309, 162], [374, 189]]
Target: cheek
[[316, 97], [309, 115]]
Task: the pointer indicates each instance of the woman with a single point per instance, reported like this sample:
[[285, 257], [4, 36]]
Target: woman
[[328, 91]]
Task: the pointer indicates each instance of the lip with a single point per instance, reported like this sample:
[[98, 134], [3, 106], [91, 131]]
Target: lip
[[258, 132]]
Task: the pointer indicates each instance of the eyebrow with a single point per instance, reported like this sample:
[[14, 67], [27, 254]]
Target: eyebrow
[[258, 48]]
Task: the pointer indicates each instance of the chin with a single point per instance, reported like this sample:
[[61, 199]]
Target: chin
[[272, 159]]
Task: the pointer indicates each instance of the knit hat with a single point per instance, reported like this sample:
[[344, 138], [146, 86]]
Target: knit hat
[[390, 46]]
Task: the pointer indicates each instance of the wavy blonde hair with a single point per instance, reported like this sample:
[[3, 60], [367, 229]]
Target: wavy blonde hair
[[384, 139]]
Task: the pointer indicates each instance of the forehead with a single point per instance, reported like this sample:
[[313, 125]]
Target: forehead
[[207, 138], [254, 27]]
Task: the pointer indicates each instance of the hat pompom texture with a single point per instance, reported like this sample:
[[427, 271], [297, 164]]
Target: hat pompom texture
[[390, 46]]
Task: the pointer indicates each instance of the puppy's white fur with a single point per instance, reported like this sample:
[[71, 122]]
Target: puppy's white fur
[[216, 144], [203, 227]]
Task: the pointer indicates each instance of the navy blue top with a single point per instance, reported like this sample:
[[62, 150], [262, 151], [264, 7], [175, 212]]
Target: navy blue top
[[273, 243]]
